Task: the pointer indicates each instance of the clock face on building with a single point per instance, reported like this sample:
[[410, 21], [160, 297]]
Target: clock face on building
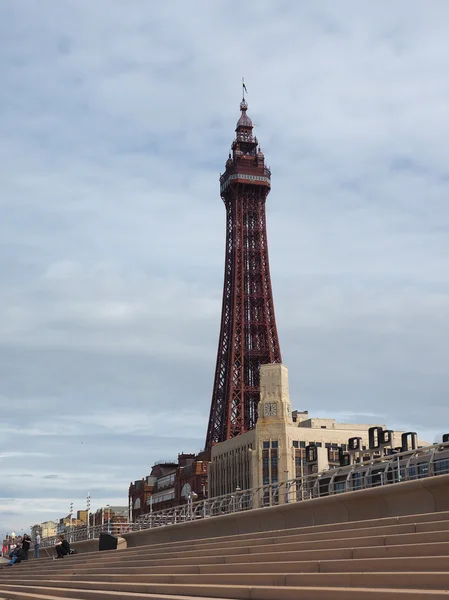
[[270, 409]]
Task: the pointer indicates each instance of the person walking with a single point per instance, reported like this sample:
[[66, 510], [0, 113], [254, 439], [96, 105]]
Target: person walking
[[37, 544]]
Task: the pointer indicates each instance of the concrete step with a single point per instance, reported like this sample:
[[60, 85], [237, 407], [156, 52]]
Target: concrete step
[[357, 529], [225, 592], [347, 553], [338, 565], [14, 594], [271, 558], [390, 565], [313, 535], [351, 539], [367, 523], [416, 545], [282, 534], [397, 558], [400, 580], [340, 542], [323, 540]]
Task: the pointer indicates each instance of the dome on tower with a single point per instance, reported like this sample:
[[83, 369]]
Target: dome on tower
[[244, 120]]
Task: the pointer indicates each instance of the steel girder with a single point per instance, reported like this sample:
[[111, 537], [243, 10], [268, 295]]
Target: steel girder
[[248, 333]]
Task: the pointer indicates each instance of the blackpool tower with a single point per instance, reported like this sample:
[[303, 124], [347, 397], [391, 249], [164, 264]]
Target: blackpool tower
[[248, 333]]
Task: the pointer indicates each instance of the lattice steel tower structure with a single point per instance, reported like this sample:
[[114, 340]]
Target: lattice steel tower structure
[[248, 333]]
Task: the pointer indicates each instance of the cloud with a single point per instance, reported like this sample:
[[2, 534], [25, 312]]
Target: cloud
[[115, 122]]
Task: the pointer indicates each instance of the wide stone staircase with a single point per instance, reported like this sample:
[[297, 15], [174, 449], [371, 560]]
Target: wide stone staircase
[[395, 557]]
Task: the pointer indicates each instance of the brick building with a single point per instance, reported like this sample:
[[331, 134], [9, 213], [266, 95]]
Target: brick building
[[165, 485], [191, 475]]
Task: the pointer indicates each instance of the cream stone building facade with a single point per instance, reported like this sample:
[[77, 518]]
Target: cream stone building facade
[[285, 444], [46, 529]]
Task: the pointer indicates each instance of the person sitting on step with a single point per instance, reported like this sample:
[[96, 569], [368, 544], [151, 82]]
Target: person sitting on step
[[16, 556], [62, 547]]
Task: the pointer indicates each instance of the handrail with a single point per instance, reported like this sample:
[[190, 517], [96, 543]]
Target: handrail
[[293, 490]]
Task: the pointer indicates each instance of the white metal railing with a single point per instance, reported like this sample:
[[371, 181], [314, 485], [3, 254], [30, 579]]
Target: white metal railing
[[83, 533], [385, 470]]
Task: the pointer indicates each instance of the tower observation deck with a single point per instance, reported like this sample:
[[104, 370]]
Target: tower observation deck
[[248, 333]]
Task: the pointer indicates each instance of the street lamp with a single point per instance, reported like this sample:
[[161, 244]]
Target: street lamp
[[191, 497], [108, 506], [71, 522], [88, 515], [151, 510], [234, 498]]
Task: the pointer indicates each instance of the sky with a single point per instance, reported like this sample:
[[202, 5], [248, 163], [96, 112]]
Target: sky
[[116, 118]]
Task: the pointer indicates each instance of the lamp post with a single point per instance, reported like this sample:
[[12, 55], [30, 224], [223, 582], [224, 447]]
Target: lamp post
[[190, 498], [302, 476], [88, 515], [287, 486], [237, 490], [108, 506], [151, 511], [71, 521]]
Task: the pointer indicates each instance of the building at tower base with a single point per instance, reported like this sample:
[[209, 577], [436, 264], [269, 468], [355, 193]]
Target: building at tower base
[[287, 444]]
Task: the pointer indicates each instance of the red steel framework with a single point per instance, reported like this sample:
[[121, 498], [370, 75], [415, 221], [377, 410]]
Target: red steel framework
[[248, 333]]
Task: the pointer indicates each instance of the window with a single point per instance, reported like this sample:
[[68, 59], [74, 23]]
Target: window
[[266, 444], [302, 444], [274, 444], [265, 467], [339, 487], [357, 480], [441, 466], [295, 444], [423, 469], [165, 481], [137, 504], [274, 466], [164, 497]]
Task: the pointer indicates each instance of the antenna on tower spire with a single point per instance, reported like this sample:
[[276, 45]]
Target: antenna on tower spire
[[244, 87]]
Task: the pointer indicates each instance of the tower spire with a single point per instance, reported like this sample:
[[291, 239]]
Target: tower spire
[[248, 333]]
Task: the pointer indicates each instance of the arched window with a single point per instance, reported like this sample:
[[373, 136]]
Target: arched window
[[137, 504]]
